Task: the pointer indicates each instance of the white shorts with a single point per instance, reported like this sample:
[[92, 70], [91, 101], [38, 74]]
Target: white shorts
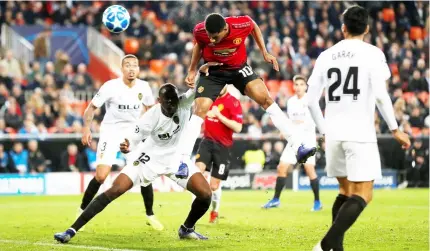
[[289, 155], [108, 146], [358, 161], [141, 174]]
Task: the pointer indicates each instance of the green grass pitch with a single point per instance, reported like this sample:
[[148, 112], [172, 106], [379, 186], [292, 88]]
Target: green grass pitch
[[395, 220]]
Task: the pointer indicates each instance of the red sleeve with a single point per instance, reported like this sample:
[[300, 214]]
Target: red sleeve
[[249, 19], [199, 32], [242, 22], [236, 111]]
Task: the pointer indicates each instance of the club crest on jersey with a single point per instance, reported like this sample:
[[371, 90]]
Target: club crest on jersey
[[220, 107], [237, 41], [200, 89], [198, 156], [140, 96]]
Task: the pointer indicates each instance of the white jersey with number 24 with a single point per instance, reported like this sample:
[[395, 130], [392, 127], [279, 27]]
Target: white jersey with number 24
[[353, 74]]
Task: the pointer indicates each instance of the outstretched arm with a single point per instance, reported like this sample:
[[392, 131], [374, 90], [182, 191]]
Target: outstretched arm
[[258, 37]]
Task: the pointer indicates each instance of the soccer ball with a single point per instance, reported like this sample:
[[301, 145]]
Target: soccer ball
[[116, 18]]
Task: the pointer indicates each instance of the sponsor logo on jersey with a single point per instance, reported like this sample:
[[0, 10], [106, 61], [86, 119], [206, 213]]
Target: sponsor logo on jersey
[[101, 156], [140, 96], [168, 136], [129, 107], [225, 52], [200, 89], [136, 163], [241, 25], [237, 41]]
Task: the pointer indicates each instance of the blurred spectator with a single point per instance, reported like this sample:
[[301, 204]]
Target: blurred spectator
[[91, 154], [6, 162], [29, 128], [62, 14], [416, 119], [4, 77], [61, 60], [18, 95], [12, 116], [42, 47], [82, 71], [278, 148], [272, 159], [20, 157], [320, 160], [72, 160], [418, 168], [11, 65], [417, 83], [2, 127], [254, 159], [268, 126], [36, 160], [254, 128]]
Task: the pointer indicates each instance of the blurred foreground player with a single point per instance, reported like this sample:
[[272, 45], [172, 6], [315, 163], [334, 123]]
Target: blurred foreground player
[[298, 112], [224, 118], [222, 40], [161, 126], [125, 99], [354, 75]]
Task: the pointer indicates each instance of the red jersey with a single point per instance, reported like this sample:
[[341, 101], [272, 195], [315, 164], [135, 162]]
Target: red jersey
[[215, 130], [231, 50]]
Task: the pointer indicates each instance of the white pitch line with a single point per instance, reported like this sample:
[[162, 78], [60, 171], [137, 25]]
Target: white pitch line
[[58, 245]]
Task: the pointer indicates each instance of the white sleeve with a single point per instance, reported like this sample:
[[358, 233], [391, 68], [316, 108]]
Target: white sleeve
[[289, 110], [186, 100], [142, 129], [316, 87], [148, 98], [102, 95], [379, 74]]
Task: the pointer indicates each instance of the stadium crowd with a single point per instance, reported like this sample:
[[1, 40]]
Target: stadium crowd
[[39, 98]]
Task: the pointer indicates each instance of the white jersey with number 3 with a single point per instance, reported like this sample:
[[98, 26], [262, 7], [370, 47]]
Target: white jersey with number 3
[[123, 104], [353, 74]]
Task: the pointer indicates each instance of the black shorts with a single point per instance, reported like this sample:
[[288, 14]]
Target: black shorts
[[216, 157], [211, 86]]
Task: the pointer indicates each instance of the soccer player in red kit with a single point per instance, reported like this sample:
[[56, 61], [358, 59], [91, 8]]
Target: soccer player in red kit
[[222, 40], [224, 118]]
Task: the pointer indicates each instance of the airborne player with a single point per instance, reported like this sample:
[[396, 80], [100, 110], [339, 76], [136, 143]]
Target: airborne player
[[222, 40]]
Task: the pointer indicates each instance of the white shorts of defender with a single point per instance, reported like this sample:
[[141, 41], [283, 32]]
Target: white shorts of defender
[[141, 174], [108, 146], [289, 154], [358, 161]]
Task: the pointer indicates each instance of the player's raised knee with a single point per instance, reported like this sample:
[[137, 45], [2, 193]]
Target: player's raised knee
[[206, 194]]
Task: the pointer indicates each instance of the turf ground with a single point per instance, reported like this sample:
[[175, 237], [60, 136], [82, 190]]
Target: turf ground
[[396, 220]]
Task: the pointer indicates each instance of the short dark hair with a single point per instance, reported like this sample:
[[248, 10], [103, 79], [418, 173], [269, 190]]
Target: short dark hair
[[214, 23], [299, 77], [167, 90], [128, 56], [356, 19]]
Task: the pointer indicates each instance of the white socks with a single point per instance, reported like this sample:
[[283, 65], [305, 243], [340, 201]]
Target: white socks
[[189, 136], [216, 199], [284, 125]]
